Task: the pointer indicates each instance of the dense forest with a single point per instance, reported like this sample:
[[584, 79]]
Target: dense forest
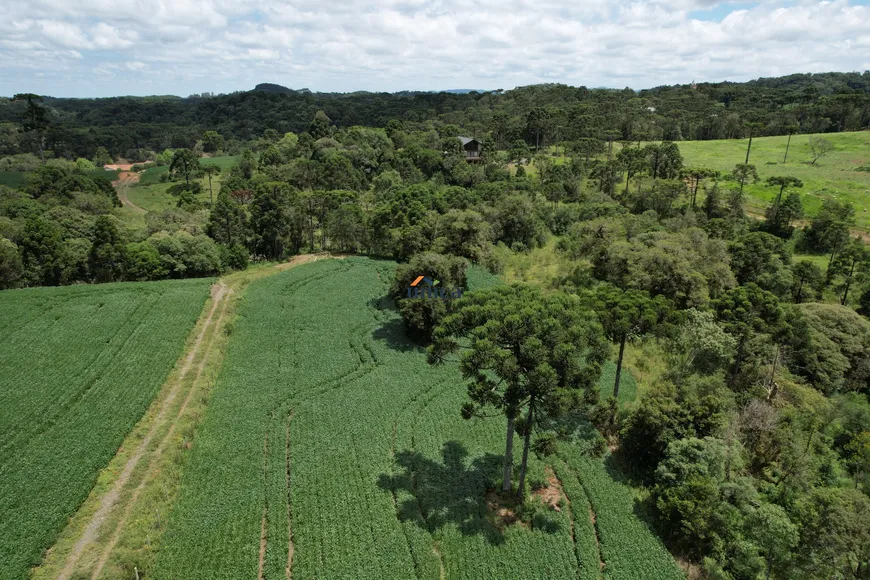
[[750, 447], [540, 115]]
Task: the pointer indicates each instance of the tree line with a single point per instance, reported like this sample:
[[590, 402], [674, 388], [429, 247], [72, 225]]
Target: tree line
[[540, 115]]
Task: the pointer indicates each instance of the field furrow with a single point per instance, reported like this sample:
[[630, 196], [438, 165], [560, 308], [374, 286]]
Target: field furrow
[[109, 366]]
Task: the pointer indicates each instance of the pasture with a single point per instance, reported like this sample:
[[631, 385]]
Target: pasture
[[78, 367], [834, 175]]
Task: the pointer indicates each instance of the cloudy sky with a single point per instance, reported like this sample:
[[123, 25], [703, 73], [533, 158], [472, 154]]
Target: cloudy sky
[[139, 47]]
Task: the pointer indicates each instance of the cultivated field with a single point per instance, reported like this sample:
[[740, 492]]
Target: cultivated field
[[332, 449], [78, 367]]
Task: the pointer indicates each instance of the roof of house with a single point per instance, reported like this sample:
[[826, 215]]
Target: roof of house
[[467, 140]]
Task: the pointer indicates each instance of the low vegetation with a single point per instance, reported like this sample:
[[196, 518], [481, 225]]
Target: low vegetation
[[92, 358]]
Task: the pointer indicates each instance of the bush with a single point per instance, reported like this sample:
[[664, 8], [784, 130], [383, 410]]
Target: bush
[[422, 313], [235, 257]]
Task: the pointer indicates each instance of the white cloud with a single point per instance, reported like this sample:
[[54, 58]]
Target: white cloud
[[184, 46]]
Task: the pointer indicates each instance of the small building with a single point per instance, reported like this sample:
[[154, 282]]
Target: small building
[[473, 149]]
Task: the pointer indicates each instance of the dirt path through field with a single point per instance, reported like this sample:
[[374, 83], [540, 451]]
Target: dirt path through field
[[218, 294], [125, 180], [160, 422]]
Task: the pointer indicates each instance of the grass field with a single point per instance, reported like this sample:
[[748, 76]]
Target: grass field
[[150, 193], [16, 179], [332, 449], [78, 367], [152, 175], [834, 175]]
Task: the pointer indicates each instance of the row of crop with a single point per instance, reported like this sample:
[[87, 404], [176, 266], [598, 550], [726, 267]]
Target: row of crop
[[385, 480], [74, 381], [583, 530], [629, 548]]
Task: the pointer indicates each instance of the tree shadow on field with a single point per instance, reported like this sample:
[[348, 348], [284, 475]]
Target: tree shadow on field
[[391, 329], [451, 492]]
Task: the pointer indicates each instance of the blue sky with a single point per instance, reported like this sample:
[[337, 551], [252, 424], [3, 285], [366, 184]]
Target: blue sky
[[140, 47]]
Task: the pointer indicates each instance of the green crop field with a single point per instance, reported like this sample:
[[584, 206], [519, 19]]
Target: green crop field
[[834, 175], [332, 449], [78, 367]]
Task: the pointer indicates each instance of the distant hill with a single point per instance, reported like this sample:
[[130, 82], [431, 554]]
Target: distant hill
[[273, 88]]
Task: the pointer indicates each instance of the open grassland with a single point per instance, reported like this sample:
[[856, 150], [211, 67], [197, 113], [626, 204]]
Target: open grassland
[[78, 368], [332, 449], [834, 175]]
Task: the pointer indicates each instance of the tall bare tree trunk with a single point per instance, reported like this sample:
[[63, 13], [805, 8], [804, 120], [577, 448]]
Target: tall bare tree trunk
[[508, 453], [787, 143], [748, 148], [530, 417], [619, 367]]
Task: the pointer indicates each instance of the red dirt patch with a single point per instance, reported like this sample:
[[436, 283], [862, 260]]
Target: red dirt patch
[[501, 508], [553, 493]]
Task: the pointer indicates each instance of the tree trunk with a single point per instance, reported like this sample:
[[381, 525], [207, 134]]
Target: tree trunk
[[848, 283], [508, 454], [619, 367], [773, 372], [210, 191], [530, 417], [748, 147], [800, 289], [787, 143]]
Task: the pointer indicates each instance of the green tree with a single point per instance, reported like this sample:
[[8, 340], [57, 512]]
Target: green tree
[[519, 152], [744, 312], [102, 157], [227, 222], [210, 171], [106, 258], [10, 264], [806, 274], [525, 351], [773, 212], [751, 128], [270, 219], [851, 264], [35, 118], [212, 142], [771, 530], [694, 176], [247, 164], [743, 173], [792, 129], [632, 159], [834, 533], [626, 314], [422, 306], [321, 126], [819, 147], [40, 246], [829, 230], [185, 163], [142, 262]]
